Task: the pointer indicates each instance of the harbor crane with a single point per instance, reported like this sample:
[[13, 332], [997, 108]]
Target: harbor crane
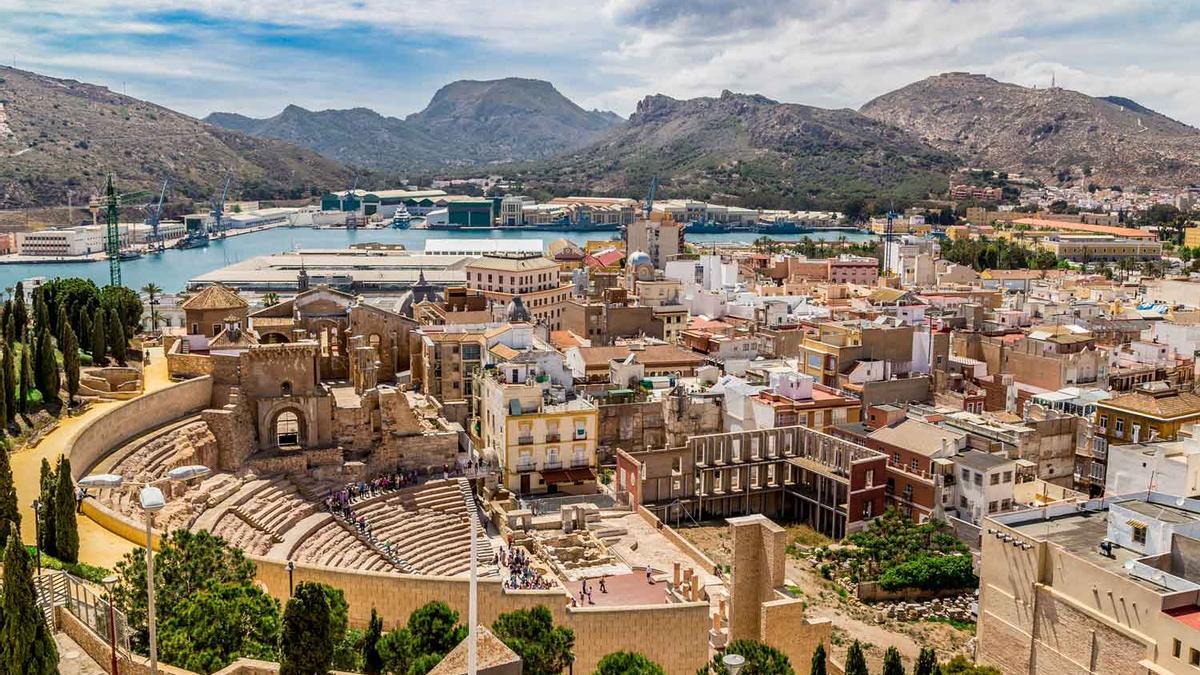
[[218, 207], [650, 196], [154, 216], [111, 203]]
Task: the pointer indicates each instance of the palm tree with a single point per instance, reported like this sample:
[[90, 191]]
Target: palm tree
[[153, 290], [270, 298]]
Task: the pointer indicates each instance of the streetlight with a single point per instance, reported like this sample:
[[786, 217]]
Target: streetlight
[[152, 501], [291, 567], [110, 581], [37, 534], [733, 663]]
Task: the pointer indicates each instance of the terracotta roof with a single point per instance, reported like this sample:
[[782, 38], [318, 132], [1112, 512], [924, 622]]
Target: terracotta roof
[[916, 436], [652, 355], [212, 297], [605, 258], [504, 351], [1165, 407], [565, 339]]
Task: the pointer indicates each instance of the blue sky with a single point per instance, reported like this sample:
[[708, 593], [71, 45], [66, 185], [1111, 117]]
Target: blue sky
[[256, 56]]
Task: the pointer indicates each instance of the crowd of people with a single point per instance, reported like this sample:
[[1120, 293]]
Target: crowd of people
[[521, 576]]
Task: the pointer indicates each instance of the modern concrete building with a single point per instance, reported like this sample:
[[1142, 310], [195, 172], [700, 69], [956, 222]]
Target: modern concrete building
[[1104, 586]]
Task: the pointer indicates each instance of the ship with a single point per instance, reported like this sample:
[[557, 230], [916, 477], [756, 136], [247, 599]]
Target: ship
[[402, 219], [707, 227], [128, 254], [192, 240]]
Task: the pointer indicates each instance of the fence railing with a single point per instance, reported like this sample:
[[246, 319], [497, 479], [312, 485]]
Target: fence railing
[[60, 589], [542, 505]]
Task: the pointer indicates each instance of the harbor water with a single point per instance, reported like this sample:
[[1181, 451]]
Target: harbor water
[[172, 269]]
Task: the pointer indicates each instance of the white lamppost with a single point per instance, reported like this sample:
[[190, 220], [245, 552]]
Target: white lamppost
[[733, 663], [152, 501]]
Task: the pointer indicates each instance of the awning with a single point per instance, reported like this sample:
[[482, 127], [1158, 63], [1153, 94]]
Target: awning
[[568, 475], [1136, 523]]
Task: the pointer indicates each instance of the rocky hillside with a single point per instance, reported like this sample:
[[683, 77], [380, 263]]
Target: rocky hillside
[[466, 123], [1047, 133], [57, 135], [751, 150]]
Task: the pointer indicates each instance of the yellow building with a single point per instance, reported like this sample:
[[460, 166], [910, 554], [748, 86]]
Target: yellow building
[[543, 441], [1153, 411], [1191, 237]]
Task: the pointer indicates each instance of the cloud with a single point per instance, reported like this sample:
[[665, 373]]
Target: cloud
[[391, 55]]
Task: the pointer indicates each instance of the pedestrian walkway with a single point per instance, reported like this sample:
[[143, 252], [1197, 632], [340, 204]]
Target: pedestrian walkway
[[72, 660]]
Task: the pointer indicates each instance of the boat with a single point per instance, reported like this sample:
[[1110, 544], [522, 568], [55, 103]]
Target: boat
[[192, 240], [707, 227], [402, 219], [128, 254]]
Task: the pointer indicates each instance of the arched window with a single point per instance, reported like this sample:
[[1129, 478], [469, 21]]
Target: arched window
[[287, 429], [376, 343]]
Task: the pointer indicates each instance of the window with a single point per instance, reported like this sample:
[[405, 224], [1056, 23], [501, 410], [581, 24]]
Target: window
[[285, 389], [914, 465], [896, 458], [866, 510], [287, 429], [1139, 535], [1194, 657], [966, 475], [994, 479], [1176, 647], [963, 503], [978, 480], [870, 476], [1005, 504], [991, 507], [1120, 426], [1008, 475], [1103, 421], [216, 328]]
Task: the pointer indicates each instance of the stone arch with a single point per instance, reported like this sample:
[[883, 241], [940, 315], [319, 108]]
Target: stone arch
[[375, 340], [288, 426], [274, 338]]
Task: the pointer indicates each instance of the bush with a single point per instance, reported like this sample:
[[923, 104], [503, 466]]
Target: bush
[[930, 573]]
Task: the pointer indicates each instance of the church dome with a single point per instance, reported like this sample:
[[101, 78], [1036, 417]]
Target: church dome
[[639, 258], [516, 311]]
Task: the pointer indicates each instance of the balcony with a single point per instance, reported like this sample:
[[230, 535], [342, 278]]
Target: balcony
[[580, 463], [553, 438], [552, 464], [526, 467], [525, 440]]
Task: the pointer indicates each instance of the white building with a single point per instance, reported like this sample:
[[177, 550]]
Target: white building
[[69, 241], [1171, 467], [984, 484]]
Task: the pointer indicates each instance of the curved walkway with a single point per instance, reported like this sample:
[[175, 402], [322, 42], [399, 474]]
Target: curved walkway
[[97, 546]]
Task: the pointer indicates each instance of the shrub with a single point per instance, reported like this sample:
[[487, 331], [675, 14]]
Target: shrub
[[930, 573]]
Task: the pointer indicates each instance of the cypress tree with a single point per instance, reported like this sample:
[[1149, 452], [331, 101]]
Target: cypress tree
[[99, 340], [41, 313], [66, 530], [116, 336], [10, 517], [20, 313], [10, 327], [26, 645], [46, 530], [85, 328], [891, 662], [10, 384], [48, 381], [26, 379], [856, 662], [61, 325], [70, 352], [926, 662], [5, 396], [306, 637], [818, 660], [372, 661]]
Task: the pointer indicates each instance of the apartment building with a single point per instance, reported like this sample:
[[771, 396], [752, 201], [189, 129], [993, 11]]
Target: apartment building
[[591, 364], [796, 473], [1054, 357], [1103, 586], [543, 437], [1100, 248], [459, 306], [792, 399], [1155, 411], [661, 239], [852, 269], [984, 485], [534, 279], [840, 347]]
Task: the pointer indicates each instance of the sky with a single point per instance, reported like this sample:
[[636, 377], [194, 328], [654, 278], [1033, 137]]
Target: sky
[[257, 56]]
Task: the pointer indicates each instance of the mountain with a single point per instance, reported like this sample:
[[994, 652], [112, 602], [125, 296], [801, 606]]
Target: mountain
[[466, 123], [751, 150], [1044, 132], [58, 134]]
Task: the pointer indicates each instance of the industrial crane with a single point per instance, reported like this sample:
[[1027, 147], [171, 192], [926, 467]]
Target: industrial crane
[[154, 215], [111, 203], [650, 196], [218, 207]]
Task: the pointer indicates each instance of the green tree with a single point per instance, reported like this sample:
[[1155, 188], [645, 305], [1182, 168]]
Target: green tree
[[761, 659], [270, 299], [545, 649], [70, 352], [432, 631], [99, 340], [26, 645], [26, 378], [46, 500], [6, 396], [152, 291], [926, 662], [10, 384], [61, 324], [891, 662], [186, 563], [116, 337], [856, 661], [10, 516], [372, 661], [819, 660], [20, 313], [66, 530], [627, 663], [306, 638], [85, 328], [47, 378], [127, 305], [214, 627]]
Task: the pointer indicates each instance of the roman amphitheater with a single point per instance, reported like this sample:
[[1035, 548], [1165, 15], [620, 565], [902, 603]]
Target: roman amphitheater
[[327, 467]]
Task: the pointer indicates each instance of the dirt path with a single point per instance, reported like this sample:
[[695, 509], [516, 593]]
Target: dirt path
[[97, 546]]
